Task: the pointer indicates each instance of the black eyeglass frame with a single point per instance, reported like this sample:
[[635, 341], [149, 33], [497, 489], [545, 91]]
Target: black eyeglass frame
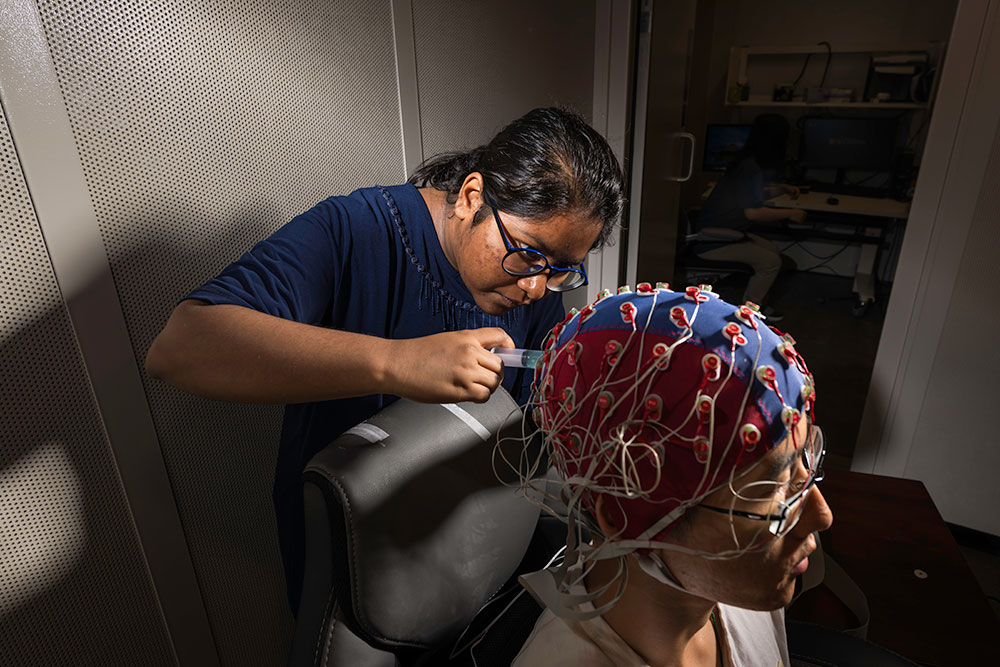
[[554, 271], [778, 527]]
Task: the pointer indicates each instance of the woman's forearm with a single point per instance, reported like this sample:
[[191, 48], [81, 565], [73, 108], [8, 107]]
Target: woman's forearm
[[237, 354], [233, 353], [767, 214]]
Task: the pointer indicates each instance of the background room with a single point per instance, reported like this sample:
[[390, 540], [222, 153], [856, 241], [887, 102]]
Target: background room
[[144, 146], [816, 65]]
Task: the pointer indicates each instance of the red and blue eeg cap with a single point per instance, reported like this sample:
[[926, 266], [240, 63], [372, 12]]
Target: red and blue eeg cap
[[656, 397]]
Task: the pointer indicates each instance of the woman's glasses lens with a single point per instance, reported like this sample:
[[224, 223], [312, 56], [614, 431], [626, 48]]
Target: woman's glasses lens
[[524, 262], [527, 262], [563, 281]]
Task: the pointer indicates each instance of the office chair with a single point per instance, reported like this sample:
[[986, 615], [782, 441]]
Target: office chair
[[694, 269], [409, 534]]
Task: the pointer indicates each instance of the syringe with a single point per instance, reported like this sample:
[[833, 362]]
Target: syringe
[[517, 358]]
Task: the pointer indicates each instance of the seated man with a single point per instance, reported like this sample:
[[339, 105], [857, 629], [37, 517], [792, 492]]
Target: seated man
[[682, 431]]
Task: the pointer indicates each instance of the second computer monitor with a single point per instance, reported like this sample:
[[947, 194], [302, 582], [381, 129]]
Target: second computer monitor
[[867, 144]]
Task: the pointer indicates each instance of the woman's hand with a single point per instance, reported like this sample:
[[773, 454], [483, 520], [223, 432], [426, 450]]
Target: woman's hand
[[797, 215], [792, 190], [447, 367]]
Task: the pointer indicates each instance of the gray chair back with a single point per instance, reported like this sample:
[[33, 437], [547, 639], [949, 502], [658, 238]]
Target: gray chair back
[[408, 531]]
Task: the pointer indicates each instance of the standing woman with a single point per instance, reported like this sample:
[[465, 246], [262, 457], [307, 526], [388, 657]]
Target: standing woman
[[737, 202], [398, 291]]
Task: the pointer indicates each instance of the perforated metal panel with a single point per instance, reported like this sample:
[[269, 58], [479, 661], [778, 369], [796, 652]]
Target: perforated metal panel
[[202, 127], [73, 585], [480, 65]]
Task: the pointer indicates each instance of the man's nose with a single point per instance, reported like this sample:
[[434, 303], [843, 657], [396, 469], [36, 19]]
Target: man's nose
[[533, 286], [816, 514]]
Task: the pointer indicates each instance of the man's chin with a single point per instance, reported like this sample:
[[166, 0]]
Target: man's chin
[[771, 601]]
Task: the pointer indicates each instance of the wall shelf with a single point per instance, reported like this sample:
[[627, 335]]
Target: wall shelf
[[832, 105], [853, 71]]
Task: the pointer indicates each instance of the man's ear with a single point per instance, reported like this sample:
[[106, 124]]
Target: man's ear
[[604, 518], [470, 196]]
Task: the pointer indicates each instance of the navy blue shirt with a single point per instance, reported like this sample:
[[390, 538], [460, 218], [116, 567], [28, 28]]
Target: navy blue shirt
[[369, 263], [741, 187]]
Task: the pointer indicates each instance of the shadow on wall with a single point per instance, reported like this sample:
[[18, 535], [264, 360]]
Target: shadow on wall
[[71, 555], [69, 552]]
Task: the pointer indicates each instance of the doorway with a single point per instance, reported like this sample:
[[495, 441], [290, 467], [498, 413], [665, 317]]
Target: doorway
[[855, 82]]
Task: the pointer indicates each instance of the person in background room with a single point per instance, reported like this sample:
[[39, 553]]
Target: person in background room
[[737, 202], [682, 432], [398, 291]]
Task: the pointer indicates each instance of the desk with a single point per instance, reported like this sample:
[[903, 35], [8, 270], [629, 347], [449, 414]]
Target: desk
[[871, 208], [876, 207], [885, 529]]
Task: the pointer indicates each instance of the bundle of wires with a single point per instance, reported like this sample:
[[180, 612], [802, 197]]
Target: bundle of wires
[[653, 399]]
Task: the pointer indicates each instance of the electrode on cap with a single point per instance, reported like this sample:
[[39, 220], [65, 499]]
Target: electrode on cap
[[645, 288], [628, 312], [663, 286], [712, 365], [745, 315], [679, 317], [661, 356], [566, 396], [694, 294], [575, 348], [573, 442], [787, 350], [734, 332], [790, 416], [767, 375], [624, 289], [611, 350], [750, 435], [705, 407], [652, 407], [700, 448]]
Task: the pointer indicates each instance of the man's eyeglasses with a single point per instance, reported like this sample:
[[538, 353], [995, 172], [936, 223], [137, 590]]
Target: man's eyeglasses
[[529, 262], [790, 510]]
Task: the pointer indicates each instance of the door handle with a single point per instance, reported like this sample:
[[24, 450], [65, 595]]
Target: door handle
[[690, 169]]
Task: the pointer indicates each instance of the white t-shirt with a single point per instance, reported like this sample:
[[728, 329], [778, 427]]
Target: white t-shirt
[[748, 639]]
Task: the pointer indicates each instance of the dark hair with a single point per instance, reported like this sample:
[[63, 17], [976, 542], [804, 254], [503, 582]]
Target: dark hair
[[766, 142], [547, 162]]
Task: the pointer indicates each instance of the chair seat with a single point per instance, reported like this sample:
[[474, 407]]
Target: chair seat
[[688, 260]]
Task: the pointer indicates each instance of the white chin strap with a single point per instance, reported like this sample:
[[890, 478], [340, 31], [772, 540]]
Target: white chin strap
[[652, 565]]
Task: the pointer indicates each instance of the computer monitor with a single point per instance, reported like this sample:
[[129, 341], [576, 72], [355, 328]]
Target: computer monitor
[[722, 143], [867, 144]]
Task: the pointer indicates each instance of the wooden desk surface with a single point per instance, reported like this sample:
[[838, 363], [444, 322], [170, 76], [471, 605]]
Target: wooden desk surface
[[848, 204], [884, 530]]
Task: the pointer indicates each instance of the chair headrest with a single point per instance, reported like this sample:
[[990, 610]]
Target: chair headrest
[[423, 531]]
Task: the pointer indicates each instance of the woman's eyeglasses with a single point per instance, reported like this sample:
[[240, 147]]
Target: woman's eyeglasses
[[530, 262]]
